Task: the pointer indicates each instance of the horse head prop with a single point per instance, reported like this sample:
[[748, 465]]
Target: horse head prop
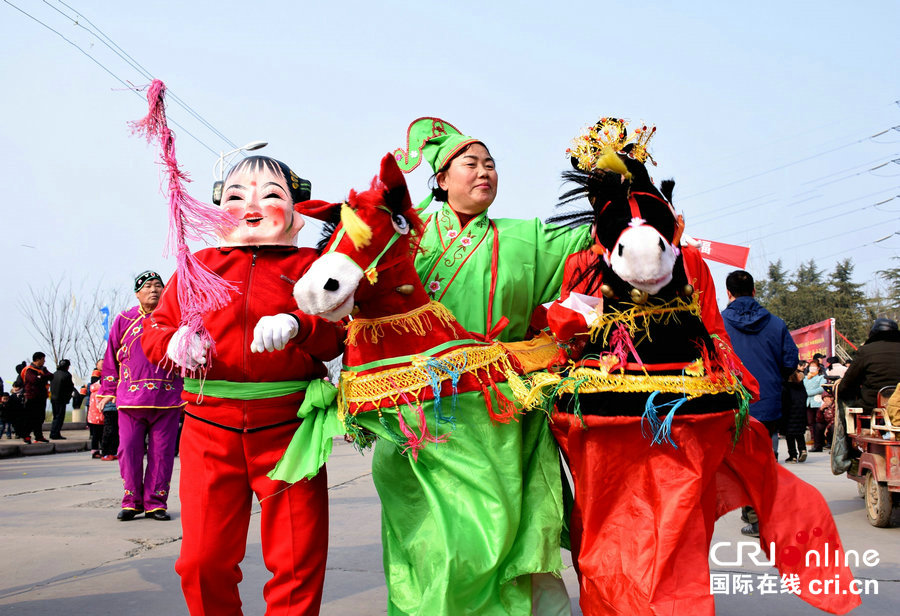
[[636, 230], [648, 350], [366, 267], [402, 347]]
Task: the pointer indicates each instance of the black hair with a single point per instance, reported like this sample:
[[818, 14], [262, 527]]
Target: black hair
[[739, 283], [299, 188], [439, 193], [63, 364], [37, 355]]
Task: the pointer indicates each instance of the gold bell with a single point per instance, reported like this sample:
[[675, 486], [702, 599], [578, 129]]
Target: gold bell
[[688, 290], [607, 291], [639, 297], [405, 289]]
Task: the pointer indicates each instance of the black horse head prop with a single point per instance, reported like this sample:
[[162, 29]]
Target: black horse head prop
[[636, 230]]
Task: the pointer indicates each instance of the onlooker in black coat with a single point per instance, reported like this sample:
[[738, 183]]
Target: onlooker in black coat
[[61, 389], [877, 365], [793, 412]]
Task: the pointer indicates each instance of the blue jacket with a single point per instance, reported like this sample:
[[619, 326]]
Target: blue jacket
[[764, 344]]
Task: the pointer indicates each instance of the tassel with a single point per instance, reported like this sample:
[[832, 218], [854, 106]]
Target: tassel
[[431, 366], [622, 345], [650, 416], [661, 431], [517, 386], [362, 438], [664, 435], [199, 289], [413, 443], [504, 416], [398, 439], [507, 406], [356, 228], [576, 388], [740, 417]]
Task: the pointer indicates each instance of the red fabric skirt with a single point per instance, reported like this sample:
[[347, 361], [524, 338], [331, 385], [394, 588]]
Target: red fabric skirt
[[644, 514]]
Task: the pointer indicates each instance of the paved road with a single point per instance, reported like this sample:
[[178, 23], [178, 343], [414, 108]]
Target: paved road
[[63, 552]]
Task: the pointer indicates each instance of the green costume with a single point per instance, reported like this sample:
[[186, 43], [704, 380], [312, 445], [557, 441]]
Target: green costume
[[509, 265], [465, 524]]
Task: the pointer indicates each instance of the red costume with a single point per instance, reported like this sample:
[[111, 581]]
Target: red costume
[[641, 542], [230, 443]]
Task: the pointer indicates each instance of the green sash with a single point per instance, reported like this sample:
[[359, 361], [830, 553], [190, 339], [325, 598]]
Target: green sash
[[311, 445], [232, 390]]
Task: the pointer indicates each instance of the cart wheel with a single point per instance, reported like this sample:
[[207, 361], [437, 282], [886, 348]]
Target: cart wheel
[[861, 489], [878, 502]]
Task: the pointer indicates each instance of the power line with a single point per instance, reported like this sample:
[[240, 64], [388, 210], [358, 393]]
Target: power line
[[115, 48], [841, 179], [784, 166], [823, 209], [127, 85]]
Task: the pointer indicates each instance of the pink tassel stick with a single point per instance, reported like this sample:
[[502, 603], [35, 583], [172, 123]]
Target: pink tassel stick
[[199, 289]]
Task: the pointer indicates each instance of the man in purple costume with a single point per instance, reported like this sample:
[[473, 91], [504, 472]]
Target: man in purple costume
[[149, 402]]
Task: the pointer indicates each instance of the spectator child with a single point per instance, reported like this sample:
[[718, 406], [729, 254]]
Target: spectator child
[[824, 428], [10, 412]]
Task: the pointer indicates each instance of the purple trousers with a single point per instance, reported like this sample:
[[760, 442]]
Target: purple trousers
[[154, 433]]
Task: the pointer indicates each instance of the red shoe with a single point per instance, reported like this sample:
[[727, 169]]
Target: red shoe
[[27, 440], [96, 455], [109, 458]]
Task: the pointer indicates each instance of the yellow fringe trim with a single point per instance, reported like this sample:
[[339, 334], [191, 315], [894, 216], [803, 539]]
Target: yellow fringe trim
[[394, 383], [661, 313], [593, 381], [413, 322]]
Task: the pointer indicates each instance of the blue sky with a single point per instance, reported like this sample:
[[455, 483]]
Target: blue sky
[[764, 112]]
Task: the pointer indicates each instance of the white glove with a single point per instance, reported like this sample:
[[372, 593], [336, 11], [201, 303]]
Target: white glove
[[272, 333], [687, 240], [189, 354]]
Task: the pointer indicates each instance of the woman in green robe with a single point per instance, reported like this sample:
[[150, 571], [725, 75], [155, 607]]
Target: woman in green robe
[[492, 274]]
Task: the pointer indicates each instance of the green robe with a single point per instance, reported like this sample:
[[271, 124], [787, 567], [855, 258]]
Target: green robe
[[465, 525]]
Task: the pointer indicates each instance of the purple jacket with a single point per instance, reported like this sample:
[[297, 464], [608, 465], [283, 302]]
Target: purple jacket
[[129, 375]]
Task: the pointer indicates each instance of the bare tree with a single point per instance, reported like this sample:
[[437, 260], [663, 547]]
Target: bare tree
[[67, 323]]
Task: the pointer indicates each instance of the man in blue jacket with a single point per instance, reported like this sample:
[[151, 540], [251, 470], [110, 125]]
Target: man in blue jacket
[[766, 348]]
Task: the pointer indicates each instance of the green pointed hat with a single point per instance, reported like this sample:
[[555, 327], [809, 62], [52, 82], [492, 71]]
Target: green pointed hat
[[434, 140]]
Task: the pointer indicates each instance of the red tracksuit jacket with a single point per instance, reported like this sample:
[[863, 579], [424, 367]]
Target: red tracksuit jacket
[[265, 277]]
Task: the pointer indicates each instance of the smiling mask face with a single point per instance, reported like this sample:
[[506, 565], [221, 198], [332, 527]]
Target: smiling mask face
[[259, 198]]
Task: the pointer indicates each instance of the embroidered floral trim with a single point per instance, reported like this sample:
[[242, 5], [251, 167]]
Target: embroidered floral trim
[[435, 286]]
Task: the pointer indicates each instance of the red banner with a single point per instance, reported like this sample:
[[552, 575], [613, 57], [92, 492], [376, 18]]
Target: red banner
[[724, 253], [815, 338]]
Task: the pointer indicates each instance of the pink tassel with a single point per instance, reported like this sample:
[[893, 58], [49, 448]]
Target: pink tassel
[[622, 345], [199, 289], [413, 442]]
